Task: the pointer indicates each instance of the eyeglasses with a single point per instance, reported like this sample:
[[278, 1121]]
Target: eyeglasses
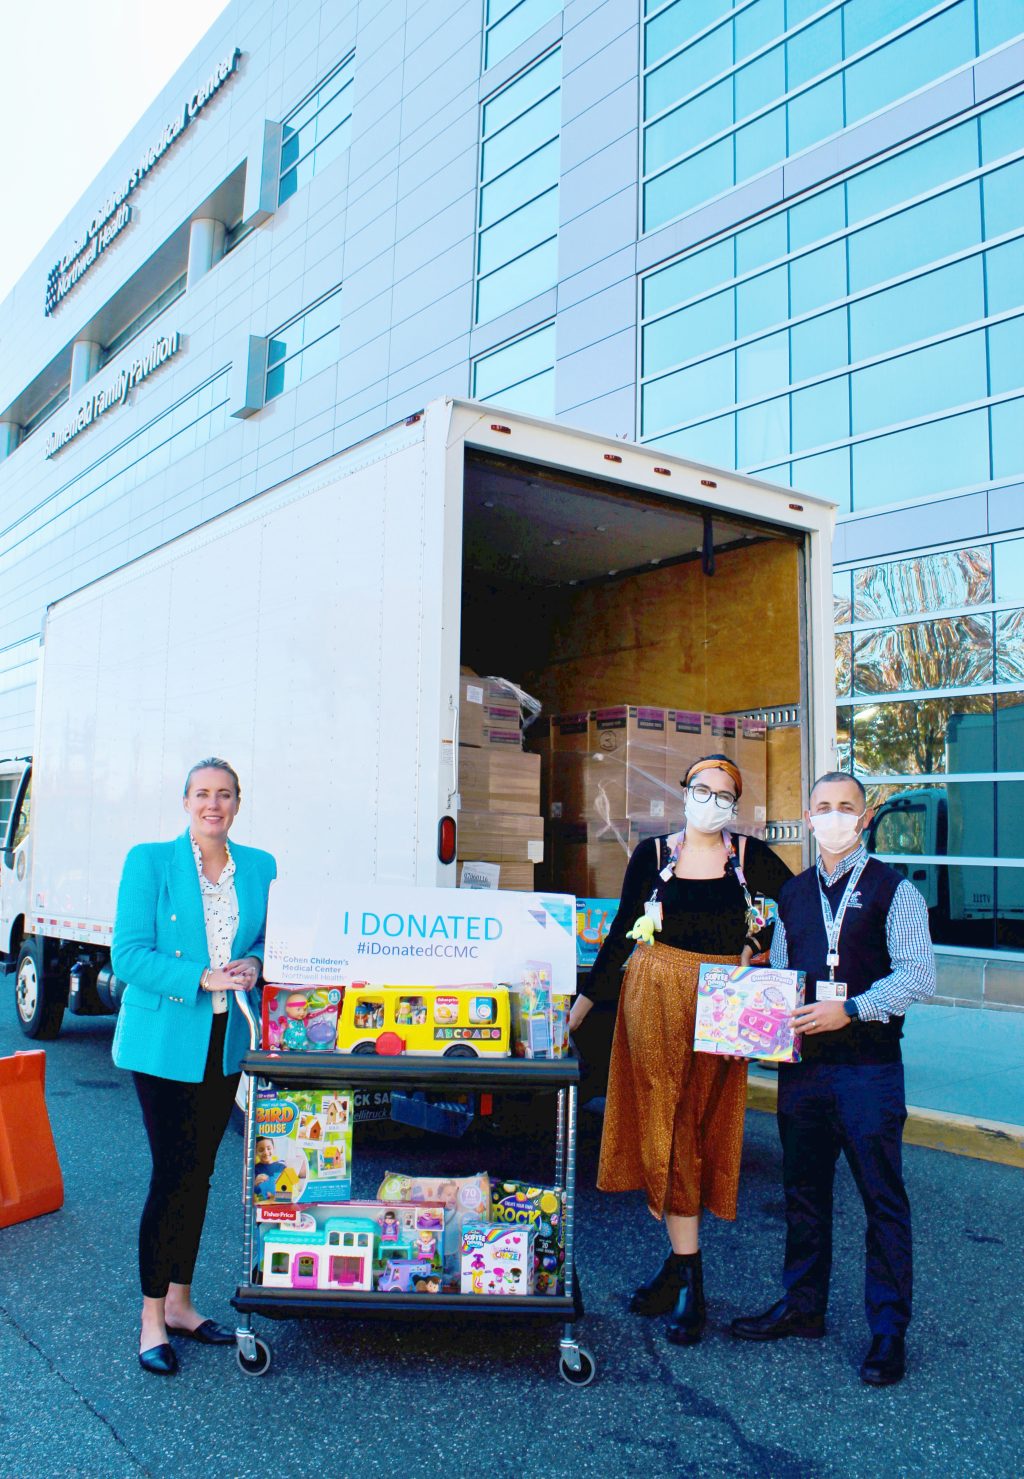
[[725, 799]]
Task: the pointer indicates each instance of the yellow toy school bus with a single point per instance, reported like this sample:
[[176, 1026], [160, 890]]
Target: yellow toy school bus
[[437, 1021]]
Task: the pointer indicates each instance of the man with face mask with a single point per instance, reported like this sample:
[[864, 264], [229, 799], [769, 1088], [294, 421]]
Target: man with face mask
[[859, 930]]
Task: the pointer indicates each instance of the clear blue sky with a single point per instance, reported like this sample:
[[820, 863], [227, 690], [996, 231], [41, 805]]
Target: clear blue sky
[[74, 79]]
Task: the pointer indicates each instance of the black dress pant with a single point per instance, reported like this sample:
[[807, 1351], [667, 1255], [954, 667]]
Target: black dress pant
[[859, 1110], [185, 1124]]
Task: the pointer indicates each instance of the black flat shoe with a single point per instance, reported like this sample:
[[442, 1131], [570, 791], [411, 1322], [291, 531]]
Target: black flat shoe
[[885, 1362], [208, 1333], [159, 1359], [778, 1322]]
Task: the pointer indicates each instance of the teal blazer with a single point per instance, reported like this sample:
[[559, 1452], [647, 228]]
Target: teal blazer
[[159, 950]]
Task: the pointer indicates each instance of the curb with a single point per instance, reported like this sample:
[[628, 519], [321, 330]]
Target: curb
[[935, 1129]]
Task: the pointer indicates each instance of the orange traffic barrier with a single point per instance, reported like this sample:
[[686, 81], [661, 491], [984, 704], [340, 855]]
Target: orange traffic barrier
[[30, 1179]]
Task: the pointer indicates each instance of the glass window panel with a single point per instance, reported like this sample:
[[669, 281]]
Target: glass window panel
[[676, 24], [762, 432], [822, 215], [496, 10], [947, 652], [762, 366], [689, 184], [323, 316], [685, 279], [762, 302], [289, 185], [333, 146], [757, 25], [1009, 575], [779, 474], [971, 819], [695, 330], [1009, 731], [1006, 356], [928, 736], [842, 596], [924, 167], [518, 232], [1002, 128], [909, 62], [760, 82], [821, 413], [520, 138], [760, 144], [844, 664], [319, 355], [1004, 199], [819, 345], [917, 309], [689, 70], [519, 184], [867, 21], [526, 357], [535, 396], [817, 278], [1010, 647], [919, 235], [1007, 439], [1004, 276], [826, 475], [530, 274], [765, 242], [522, 94], [922, 459], [815, 114], [919, 383], [689, 125], [713, 442], [815, 49], [709, 386], [843, 752], [335, 111], [998, 21], [801, 10], [950, 578], [516, 26]]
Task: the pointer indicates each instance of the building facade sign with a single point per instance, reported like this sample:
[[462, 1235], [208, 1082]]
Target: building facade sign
[[114, 392], [115, 213]]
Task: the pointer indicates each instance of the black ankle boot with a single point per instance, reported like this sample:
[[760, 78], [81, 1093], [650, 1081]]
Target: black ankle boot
[[686, 1325], [658, 1295]]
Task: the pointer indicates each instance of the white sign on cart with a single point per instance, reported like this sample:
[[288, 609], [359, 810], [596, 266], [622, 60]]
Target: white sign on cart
[[330, 934]]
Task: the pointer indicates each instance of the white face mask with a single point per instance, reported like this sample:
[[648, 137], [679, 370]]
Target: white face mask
[[835, 831], [707, 816]]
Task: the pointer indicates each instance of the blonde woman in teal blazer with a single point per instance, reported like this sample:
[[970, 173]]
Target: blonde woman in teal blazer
[[188, 935]]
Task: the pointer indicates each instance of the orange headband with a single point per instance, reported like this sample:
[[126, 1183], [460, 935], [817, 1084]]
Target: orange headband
[[725, 765]]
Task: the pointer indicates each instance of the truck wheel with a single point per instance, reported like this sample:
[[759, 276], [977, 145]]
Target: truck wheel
[[39, 1003]]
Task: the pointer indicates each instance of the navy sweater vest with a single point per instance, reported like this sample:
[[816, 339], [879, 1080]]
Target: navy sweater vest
[[863, 957]]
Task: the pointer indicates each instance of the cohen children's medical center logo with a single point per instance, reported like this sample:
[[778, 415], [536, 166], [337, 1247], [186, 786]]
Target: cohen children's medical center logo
[[115, 213]]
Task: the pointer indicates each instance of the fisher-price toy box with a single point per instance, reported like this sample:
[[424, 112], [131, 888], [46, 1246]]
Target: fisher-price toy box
[[303, 1145], [744, 1011], [497, 1259], [300, 1018]]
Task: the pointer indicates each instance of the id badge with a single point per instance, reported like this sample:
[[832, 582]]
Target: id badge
[[830, 991], [653, 910]]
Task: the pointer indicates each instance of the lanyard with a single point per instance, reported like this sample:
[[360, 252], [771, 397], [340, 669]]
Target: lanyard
[[755, 918], [833, 926]]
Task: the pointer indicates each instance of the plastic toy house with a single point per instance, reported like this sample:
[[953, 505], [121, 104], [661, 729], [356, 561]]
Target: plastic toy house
[[337, 1256]]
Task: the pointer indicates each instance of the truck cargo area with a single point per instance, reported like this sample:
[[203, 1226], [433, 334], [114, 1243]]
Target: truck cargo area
[[592, 597]]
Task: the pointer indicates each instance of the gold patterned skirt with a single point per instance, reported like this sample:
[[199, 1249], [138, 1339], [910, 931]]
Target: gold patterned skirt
[[673, 1122]]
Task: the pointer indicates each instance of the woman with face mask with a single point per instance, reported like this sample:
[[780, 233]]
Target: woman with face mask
[[673, 1123]]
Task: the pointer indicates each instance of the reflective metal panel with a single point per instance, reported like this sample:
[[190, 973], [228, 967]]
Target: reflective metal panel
[[844, 663], [951, 652], [924, 583], [1010, 647], [929, 736]]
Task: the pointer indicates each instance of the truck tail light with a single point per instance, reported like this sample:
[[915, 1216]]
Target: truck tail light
[[446, 840]]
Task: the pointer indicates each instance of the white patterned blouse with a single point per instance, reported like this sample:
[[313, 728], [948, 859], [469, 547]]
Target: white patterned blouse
[[220, 911]]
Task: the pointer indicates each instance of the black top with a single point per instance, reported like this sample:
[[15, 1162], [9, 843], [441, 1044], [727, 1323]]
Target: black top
[[705, 915]]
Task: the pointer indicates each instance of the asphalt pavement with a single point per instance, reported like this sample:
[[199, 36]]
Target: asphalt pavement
[[355, 1401]]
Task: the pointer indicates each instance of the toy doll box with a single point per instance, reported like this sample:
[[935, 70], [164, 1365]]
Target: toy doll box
[[303, 1145], [744, 1011], [497, 1259], [300, 1018]]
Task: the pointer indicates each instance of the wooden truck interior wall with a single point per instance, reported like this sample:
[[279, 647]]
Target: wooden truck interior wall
[[546, 603]]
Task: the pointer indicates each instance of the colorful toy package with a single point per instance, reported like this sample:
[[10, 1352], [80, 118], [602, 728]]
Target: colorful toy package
[[745, 1011], [541, 1208], [303, 1145], [593, 921], [496, 1260], [540, 1017], [406, 1236], [300, 1018], [464, 1199]]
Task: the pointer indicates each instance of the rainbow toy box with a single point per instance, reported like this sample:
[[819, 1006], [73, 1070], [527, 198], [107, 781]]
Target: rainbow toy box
[[303, 1145], [744, 1011], [497, 1259], [541, 1208]]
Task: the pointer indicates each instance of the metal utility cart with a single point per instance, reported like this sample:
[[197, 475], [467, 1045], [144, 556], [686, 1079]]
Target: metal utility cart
[[324, 1071]]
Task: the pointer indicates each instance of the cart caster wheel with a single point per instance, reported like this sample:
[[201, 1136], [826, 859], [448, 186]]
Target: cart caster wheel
[[260, 1363], [584, 1376]]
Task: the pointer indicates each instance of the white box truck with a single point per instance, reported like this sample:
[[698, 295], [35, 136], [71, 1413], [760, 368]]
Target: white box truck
[[313, 636]]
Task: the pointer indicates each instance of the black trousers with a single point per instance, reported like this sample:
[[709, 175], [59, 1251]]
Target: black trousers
[[185, 1124], [859, 1109]]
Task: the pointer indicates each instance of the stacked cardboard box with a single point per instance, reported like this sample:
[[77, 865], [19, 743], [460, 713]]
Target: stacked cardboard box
[[500, 819], [488, 713]]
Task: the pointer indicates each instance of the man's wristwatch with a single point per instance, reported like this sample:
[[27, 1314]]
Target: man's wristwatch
[[850, 1007]]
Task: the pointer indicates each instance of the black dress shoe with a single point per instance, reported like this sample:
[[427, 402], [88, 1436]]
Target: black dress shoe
[[781, 1320], [659, 1294], [885, 1362], [686, 1324], [208, 1333], [159, 1359]]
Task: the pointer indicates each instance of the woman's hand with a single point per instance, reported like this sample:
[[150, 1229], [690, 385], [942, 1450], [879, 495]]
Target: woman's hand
[[580, 1007], [246, 972]]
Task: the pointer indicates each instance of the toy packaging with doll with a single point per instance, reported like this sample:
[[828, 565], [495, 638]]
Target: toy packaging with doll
[[496, 1259], [300, 1019], [303, 1145], [542, 1209], [540, 1017], [404, 1244], [463, 1198], [744, 1011]]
